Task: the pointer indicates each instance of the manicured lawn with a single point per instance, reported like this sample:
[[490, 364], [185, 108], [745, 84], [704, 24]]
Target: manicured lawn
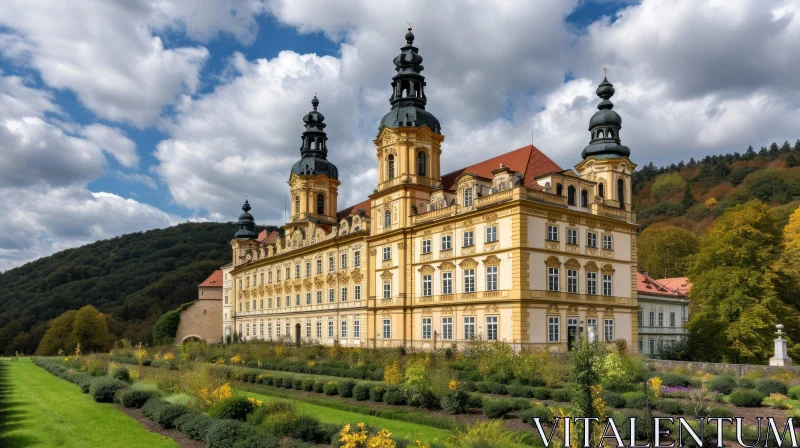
[[39, 409], [327, 415]]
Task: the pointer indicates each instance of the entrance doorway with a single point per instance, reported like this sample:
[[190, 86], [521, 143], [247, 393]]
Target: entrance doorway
[[297, 335], [572, 332]]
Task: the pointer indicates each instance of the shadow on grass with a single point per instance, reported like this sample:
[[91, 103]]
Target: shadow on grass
[[11, 414]]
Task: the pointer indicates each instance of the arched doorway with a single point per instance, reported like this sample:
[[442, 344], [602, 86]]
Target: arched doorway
[[297, 334]]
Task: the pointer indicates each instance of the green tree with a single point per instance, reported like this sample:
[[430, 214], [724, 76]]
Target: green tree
[[791, 161], [667, 185], [90, 329], [733, 287], [664, 250], [58, 336], [586, 371]]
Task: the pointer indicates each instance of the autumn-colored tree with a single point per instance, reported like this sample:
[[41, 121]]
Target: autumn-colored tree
[[733, 290], [664, 250], [667, 185], [57, 337], [789, 263], [86, 326]]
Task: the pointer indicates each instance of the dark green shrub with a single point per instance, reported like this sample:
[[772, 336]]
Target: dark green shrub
[[84, 381], [794, 393], [152, 407], [122, 374], [769, 386], [562, 395], [544, 414], [483, 387], [376, 393], [475, 401], [497, 388], [612, 399], [361, 391], [722, 384], [250, 437], [634, 400], [666, 406], [746, 398], [307, 384], [104, 388], [166, 418], [307, 428], [278, 381], [96, 368], [541, 393], [622, 420], [454, 402], [674, 379], [497, 408], [135, 398], [518, 390], [346, 388], [297, 384], [331, 388], [233, 408], [319, 386], [721, 411], [224, 433], [195, 425], [748, 383], [394, 396]]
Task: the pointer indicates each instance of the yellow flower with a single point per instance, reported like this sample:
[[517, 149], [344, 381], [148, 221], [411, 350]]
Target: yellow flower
[[236, 359], [453, 385], [655, 386], [169, 357], [311, 363]]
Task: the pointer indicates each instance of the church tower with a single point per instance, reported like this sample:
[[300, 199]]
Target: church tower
[[605, 160], [314, 181], [408, 147]]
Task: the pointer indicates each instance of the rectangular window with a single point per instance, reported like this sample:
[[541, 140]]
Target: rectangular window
[[491, 278], [469, 280], [261, 304], [672, 319], [297, 300], [330, 328], [308, 298], [607, 244], [356, 328], [572, 236], [319, 266], [426, 327], [468, 238], [297, 270], [641, 345], [445, 243], [269, 329], [387, 290], [240, 330], [319, 328], [308, 269], [277, 275], [247, 330], [652, 319], [640, 316], [343, 294], [331, 295], [591, 283], [652, 347], [288, 301], [262, 278], [269, 276], [447, 328], [427, 285], [288, 272], [357, 292], [357, 259], [607, 291], [447, 282], [331, 264], [240, 307], [552, 233], [387, 253], [592, 323], [344, 328], [226, 300], [552, 279], [491, 328], [387, 328], [254, 305], [468, 197], [343, 261], [609, 329], [491, 234], [469, 327], [261, 330], [319, 297], [572, 281], [591, 239], [269, 302], [660, 319], [278, 302], [308, 328], [553, 329], [426, 246], [278, 329]]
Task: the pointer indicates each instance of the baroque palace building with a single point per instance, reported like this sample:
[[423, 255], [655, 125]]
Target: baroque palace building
[[514, 248]]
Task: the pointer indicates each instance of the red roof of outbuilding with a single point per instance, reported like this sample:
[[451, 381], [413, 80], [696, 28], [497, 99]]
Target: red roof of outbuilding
[[648, 285], [680, 284], [213, 281]]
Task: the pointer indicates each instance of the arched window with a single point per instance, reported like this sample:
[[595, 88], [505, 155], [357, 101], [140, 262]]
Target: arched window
[[387, 219], [320, 204], [621, 193], [559, 189], [296, 205], [584, 198], [570, 195], [601, 190], [391, 166], [600, 133], [610, 133], [421, 163]]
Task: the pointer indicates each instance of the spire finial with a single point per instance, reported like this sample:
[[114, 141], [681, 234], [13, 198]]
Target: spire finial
[[315, 101], [409, 35], [605, 71]]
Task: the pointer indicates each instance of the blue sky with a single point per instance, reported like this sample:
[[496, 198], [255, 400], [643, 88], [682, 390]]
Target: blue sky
[[118, 117]]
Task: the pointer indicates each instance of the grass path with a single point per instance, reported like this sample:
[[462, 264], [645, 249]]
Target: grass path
[[38, 409], [411, 431]]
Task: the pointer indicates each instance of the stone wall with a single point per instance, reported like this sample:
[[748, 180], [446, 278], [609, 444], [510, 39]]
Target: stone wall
[[737, 369], [202, 320]]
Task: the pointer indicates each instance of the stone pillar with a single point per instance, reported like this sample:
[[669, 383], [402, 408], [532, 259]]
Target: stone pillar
[[781, 358]]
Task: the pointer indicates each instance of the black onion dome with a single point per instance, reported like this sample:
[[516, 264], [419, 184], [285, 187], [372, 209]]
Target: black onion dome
[[604, 126], [408, 98], [246, 225], [314, 150]]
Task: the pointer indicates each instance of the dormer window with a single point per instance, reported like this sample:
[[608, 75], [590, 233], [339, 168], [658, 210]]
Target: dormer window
[[584, 198], [601, 190], [570, 195], [559, 189], [468, 197]]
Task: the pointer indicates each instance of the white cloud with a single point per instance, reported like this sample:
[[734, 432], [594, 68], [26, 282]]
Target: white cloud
[[114, 142]]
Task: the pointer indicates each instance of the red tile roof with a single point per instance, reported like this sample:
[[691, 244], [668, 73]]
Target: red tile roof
[[263, 237], [213, 281], [680, 284], [353, 209], [648, 285], [527, 160]]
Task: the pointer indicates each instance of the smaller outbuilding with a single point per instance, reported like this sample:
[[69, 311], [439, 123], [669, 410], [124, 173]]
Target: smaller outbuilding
[[663, 312], [200, 320]]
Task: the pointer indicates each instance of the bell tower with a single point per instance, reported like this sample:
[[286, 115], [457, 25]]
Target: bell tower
[[408, 146], [314, 181], [605, 159]]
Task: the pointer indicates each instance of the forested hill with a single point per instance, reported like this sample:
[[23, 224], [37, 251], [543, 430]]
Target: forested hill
[[691, 194], [134, 278]]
